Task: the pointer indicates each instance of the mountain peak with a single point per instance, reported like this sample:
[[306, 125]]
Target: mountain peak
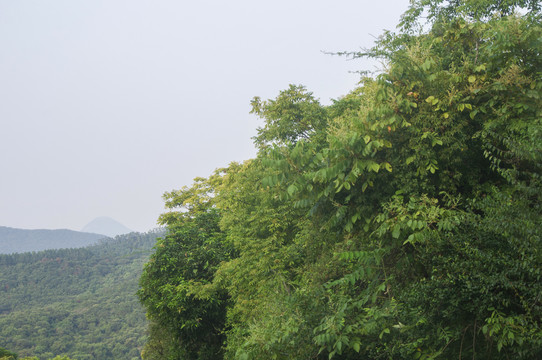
[[106, 226]]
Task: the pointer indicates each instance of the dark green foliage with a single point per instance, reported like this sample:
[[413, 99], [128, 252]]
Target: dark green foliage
[[401, 222], [75, 302], [293, 116], [185, 322], [7, 355]]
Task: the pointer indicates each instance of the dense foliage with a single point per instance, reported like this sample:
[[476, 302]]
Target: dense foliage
[[79, 303], [188, 256], [403, 221], [8, 355]]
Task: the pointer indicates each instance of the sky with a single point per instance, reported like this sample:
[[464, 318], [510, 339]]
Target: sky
[[107, 104]]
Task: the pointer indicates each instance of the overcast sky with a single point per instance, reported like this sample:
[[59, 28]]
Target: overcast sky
[[107, 104]]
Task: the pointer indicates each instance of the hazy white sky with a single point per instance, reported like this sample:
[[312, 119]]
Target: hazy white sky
[[107, 104]]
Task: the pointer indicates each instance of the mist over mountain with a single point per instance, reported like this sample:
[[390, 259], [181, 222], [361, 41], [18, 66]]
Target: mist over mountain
[[106, 226], [22, 240]]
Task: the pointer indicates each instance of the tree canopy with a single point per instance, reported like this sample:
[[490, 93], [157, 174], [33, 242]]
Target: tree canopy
[[403, 221]]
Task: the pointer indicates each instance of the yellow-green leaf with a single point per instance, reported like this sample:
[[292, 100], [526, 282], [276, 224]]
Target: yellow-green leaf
[[387, 166]]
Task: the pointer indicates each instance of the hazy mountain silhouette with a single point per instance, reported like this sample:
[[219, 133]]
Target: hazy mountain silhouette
[[22, 240], [106, 226]]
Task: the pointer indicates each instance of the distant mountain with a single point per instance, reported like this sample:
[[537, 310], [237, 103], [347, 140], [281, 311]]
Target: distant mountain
[[106, 226], [22, 240]]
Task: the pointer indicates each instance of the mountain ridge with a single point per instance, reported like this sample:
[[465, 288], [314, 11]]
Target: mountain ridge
[[14, 240]]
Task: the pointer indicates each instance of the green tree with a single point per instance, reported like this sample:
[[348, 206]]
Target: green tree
[[403, 221], [443, 268], [184, 261], [7, 355]]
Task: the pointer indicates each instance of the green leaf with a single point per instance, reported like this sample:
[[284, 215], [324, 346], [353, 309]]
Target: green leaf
[[356, 347], [374, 166], [385, 331], [396, 231], [432, 100], [292, 189], [480, 68], [387, 166]]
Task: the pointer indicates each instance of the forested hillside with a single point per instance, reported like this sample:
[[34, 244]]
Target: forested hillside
[[22, 240], [79, 303], [403, 221]]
